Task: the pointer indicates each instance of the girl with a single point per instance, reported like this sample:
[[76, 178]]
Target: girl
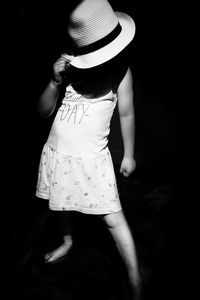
[[76, 170]]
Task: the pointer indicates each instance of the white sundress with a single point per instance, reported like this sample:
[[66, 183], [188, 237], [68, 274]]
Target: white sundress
[[76, 169]]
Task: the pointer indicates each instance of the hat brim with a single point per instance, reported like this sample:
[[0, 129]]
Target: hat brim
[[109, 51]]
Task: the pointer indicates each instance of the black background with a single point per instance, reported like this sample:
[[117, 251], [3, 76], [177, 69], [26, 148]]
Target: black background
[[163, 105]]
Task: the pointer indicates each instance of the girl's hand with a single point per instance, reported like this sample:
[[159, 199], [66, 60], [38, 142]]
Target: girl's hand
[[59, 67], [128, 165]]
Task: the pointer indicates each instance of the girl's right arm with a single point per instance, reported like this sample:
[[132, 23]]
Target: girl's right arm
[[49, 97]]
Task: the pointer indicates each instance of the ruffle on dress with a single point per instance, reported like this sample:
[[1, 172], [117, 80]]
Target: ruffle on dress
[[85, 184]]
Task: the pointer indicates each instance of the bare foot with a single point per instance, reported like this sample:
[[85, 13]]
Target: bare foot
[[61, 251], [136, 294], [135, 287]]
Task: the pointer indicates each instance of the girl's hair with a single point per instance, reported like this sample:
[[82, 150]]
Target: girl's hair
[[99, 80]]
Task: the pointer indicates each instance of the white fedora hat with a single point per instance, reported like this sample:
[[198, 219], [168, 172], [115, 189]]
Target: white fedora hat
[[98, 33]]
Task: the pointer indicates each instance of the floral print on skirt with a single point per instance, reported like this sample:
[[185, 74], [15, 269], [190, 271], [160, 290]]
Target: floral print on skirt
[[84, 184]]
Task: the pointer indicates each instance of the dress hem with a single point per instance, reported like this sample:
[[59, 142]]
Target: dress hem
[[90, 211]]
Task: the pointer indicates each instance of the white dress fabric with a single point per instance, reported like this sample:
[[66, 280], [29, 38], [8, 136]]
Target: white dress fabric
[[76, 169]]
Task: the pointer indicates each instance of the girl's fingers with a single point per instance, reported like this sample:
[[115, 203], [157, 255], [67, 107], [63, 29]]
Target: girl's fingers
[[66, 58], [60, 66]]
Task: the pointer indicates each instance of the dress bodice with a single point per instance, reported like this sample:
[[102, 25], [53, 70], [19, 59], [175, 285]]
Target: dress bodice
[[82, 125]]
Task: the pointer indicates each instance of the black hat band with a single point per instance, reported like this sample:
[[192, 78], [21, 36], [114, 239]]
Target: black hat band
[[98, 44]]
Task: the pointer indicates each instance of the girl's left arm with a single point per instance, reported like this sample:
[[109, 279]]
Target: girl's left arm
[[127, 123]]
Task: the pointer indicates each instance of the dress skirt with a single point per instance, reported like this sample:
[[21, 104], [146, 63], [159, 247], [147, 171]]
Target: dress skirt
[[85, 184]]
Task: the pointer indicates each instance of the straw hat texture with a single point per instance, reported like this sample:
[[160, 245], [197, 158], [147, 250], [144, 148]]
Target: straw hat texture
[[97, 33]]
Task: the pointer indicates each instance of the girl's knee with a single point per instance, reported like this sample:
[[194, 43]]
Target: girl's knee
[[114, 219]]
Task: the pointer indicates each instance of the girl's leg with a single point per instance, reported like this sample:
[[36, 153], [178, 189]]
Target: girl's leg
[[121, 233], [64, 224], [61, 251]]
